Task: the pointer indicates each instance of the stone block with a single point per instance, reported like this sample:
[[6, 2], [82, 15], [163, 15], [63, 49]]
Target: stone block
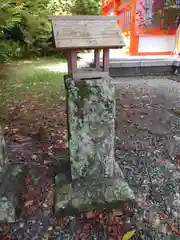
[[97, 180], [11, 186]]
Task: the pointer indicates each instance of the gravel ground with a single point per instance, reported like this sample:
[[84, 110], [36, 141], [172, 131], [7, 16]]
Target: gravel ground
[[148, 147]]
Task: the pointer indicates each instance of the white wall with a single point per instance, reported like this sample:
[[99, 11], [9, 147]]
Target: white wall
[[156, 43]]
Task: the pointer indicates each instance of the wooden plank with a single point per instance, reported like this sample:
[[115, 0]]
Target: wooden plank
[[67, 29], [91, 18], [81, 26], [89, 75], [84, 43], [76, 33], [80, 48], [87, 34]]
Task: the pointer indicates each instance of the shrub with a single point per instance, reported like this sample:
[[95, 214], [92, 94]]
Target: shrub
[[9, 50]]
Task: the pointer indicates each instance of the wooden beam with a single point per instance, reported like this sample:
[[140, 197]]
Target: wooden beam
[[81, 18], [106, 59], [72, 61], [97, 59], [80, 48], [68, 56], [90, 75]]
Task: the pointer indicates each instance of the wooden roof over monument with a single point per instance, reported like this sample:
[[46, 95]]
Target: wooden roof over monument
[[86, 32]]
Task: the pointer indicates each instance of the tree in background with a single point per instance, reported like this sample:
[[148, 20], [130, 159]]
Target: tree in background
[[160, 13], [169, 15], [9, 16], [79, 7], [86, 7], [164, 14], [173, 8], [24, 27]]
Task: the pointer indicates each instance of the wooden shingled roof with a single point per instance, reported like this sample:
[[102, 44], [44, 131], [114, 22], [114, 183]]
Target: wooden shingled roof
[[86, 32]]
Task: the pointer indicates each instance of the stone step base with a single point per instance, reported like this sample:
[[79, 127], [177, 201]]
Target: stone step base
[[143, 66], [142, 71]]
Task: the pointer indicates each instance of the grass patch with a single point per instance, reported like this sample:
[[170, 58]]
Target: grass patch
[[40, 79], [32, 109]]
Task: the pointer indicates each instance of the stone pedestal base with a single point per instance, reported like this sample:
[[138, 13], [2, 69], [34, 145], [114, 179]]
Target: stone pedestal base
[[83, 195], [11, 189], [11, 186]]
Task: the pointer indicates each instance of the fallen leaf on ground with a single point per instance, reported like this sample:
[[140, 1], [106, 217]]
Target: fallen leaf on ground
[[29, 203], [128, 235], [90, 215], [174, 229], [27, 180], [34, 157]]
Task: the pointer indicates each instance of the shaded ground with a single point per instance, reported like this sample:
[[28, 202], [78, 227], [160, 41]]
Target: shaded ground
[[147, 140]]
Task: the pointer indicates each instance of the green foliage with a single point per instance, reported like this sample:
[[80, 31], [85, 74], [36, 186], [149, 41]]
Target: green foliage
[[170, 3], [65, 7], [24, 80], [25, 29], [9, 50], [30, 19], [164, 16], [86, 7], [9, 13], [27, 17], [170, 17]]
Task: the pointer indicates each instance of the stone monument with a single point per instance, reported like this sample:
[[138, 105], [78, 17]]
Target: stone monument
[[11, 186], [93, 179]]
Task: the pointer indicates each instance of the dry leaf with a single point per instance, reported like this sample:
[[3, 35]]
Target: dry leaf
[[27, 180], [90, 215], [128, 235], [34, 157], [117, 213], [101, 216], [29, 203], [50, 153]]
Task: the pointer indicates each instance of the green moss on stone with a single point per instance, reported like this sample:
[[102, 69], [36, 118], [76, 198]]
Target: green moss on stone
[[87, 194], [97, 179], [11, 186]]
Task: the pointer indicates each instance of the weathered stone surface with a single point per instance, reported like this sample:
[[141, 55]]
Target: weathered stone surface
[[11, 185], [91, 116], [3, 156], [173, 145], [87, 194], [96, 177], [11, 188]]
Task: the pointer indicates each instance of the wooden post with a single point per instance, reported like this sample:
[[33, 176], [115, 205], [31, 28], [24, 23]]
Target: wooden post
[[68, 55], [97, 59], [72, 61], [106, 60]]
